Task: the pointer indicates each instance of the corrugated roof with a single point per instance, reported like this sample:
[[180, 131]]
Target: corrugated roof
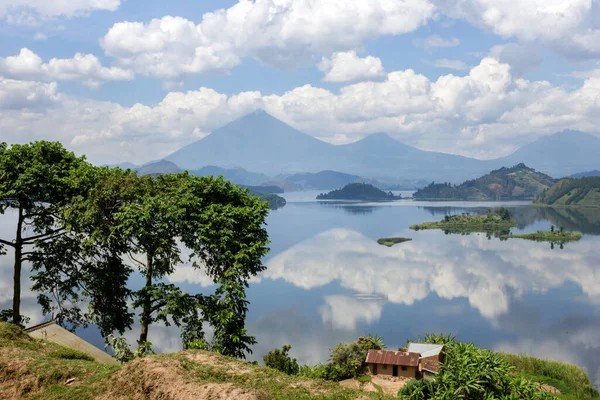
[[393, 358], [431, 366], [425, 349]]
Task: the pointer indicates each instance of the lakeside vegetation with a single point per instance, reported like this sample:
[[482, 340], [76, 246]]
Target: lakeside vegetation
[[583, 192], [552, 236], [87, 223], [358, 191], [389, 242], [516, 183], [492, 221]]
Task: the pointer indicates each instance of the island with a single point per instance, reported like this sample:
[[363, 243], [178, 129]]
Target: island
[[551, 236], [275, 201], [569, 192], [516, 183], [358, 191], [492, 221], [389, 242]]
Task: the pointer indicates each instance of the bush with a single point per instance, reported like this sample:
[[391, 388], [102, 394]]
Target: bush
[[349, 358], [281, 361], [328, 372], [69, 354], [472, 373]]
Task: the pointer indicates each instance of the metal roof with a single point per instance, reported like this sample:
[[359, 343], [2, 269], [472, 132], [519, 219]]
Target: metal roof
[[393, 358], [425, 349]]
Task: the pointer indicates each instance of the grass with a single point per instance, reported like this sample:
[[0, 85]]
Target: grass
[[549, 236], [389, 242], [468, 223], [571, 380], [37, 369]]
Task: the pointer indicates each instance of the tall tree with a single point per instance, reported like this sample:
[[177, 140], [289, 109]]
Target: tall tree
[[36, 180], [145, 222]]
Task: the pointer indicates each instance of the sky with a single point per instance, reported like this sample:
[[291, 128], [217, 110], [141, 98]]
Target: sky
[[132, 80]]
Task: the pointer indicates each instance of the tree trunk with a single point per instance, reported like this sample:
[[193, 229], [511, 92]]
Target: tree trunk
[[147, 305], [16, 309]]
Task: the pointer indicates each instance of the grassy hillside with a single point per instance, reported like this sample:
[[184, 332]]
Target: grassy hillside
[[516, 183], [489, 222], [36, 369], [584, 192]]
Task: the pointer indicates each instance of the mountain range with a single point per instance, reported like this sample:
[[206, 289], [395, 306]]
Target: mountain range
[[265, 145]]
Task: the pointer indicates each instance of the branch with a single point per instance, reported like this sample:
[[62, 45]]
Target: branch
[[45, 236], [4, 242]]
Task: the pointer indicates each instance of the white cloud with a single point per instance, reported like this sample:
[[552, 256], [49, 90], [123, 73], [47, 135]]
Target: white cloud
[[276, 32], [436, 41], [486, 113], [84, 67], [570, 26], [450, 64], [522, 58], [40, 36], [19, 95], [28, 12], [347, 67], [345, 312]]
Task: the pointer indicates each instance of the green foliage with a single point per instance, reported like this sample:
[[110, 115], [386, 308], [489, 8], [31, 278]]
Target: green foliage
[[573, 192], [515, 183], [358, 191], [123, 353], [37, 181], [389, 242], [70, 354], [349, 358], [570, 379], [471, 373], [281, 361]]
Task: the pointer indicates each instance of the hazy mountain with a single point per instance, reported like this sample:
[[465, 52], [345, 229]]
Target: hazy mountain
[[257, 142], [236, 175], [323, 180], [558, 155], [516, 183], [586, 174], [158, 167], [125, 165], [261, 143]]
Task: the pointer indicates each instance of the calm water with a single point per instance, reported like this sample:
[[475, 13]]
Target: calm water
[[328, 281]]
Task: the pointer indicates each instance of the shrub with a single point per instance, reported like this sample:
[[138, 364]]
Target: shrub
[[349, 358], [69, 354], [281, 361]]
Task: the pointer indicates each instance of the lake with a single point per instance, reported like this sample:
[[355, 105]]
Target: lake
[[328, 281]]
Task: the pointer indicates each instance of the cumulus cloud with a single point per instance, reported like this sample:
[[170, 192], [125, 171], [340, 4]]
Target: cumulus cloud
[[486, 113], [40, 36], [346, 312], [436, 41], [570, 26], [279, 33], [348, 66], [522, 58], [28, 12], [85, 67], [450, 64]]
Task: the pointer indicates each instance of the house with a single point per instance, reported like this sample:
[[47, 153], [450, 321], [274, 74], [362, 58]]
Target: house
[[393, 363], [430, 356], [54, 333]]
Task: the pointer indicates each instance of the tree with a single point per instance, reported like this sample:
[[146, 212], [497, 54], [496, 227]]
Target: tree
[[130, 223], [36, 181], [281, 361]]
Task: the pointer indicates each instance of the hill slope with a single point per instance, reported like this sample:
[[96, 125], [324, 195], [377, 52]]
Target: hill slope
[[517, 183], [37, 369], [584, 192], [358, 191], [586, 174]]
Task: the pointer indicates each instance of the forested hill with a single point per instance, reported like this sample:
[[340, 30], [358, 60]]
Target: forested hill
[[516, 183], [584, 192], [358, 191]]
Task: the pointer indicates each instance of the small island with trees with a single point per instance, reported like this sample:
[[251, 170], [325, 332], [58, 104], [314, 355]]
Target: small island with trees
[[497, 220], [553, 236], [389, 242], [358, 192]]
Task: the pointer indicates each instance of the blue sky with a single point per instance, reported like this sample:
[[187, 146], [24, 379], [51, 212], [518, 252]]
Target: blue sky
[[473, 77]]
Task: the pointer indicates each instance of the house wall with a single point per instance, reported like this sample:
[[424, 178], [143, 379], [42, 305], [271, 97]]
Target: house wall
[[388, 370]]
